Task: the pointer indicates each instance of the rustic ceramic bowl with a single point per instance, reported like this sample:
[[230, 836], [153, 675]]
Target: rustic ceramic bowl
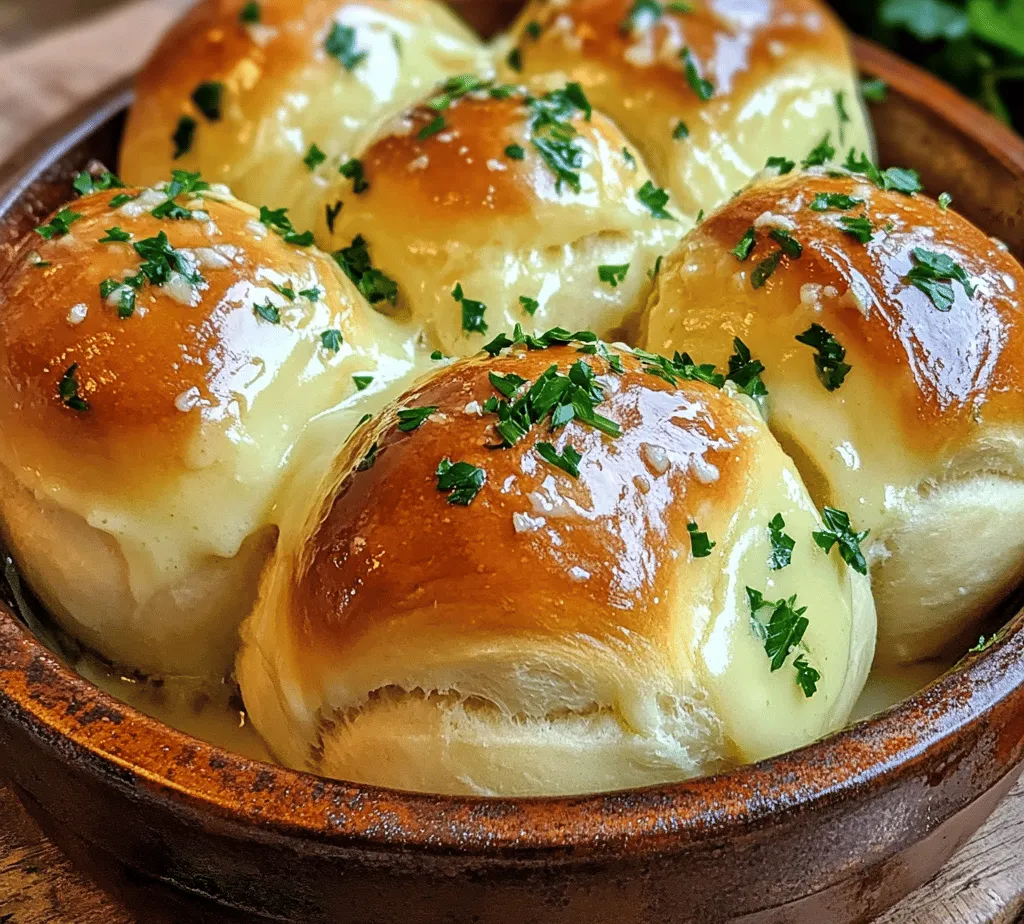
[[833, 833]]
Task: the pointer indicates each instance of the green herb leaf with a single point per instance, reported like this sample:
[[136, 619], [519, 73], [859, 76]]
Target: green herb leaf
[[680, 131], [642, 15], [874, 90], [463, 480], [184, 135], [782, 545], [806, 676], [514, 60], [515, 152], [784, 629], [844, 116], [840, 202], [472, 311], [700, 545], [533, 29], [85, 183], [612, 274], [765, 269], [789, 245], [59, 225], [67, 389], [831, 368], [945, 200], [115, 235], [821, 153], [208, 97], [269, 312], [655, 199], [432, 128], [745, 372], [934, 273], [332, 212], [783, 164], [353, 170], [704, 89], [411, 418], [529, 305], [568, 461], [858, 227], [838, 531], [332, 340], [341, 45], [374, 284], [314, 157], [746, 244], [250, 14], [363, 382]]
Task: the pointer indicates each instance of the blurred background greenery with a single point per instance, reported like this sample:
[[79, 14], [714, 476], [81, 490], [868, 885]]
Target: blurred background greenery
[[977, 45]]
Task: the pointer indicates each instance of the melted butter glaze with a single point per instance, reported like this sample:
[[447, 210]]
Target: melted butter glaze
[[210, 349], [945, 369], [619, 523], [775, 67], [283, 92]]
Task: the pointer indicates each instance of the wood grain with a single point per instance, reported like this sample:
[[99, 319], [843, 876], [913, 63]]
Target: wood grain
[[982, 884]]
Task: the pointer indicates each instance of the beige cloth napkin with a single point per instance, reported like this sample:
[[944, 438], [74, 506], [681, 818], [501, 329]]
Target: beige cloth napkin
[[41, 81]]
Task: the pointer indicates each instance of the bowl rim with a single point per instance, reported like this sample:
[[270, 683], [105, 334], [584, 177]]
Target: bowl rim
[[876, 752]]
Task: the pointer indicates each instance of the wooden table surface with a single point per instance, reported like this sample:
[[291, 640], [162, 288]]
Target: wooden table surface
[[983, 884]]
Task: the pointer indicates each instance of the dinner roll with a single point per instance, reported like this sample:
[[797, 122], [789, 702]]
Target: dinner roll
[[273, 97], [160, 358], [486, 207], [490, 600], [707, 91], [889, 327]]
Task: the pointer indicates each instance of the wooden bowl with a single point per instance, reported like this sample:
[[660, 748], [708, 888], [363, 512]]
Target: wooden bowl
[[835, 832]]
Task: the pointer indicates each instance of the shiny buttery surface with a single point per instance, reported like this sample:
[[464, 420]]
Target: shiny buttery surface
[[197, 409], [455, 208], [775, 70], [556, 634], [282, 91], [922, 443]]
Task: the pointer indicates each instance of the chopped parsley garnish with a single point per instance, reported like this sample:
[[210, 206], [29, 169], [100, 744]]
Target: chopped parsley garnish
[[821, 153], [844, 116], [472, 312], [568, 461], [655, 200], [700, 545], [782, 545], [115, 235], [529, 305], [679, 367], [828, 361], [184, 135], [789, 245], [642, 15], [746, 244], [838, 531], [122, 199], [286, 290], [514, 60], [898, 179], [269, 312], [533, 29], [680, 131], [652, 273], [875, 90], [332, 340], [463, 480], [784, 629], [67, 389], [456, 87], [933, 273], [314, 157], [515, 152], [704, 89], [553, 135], [764, 270], [375, 285], [436, 355], [353, 170], [331, 212], [208, 97], [182, 183], [85, 183], [945, 200], [840, 202], [341, 45], [159, 261], [312, 294], [37, 262], [369, 460], [279, 222], [362, 382], [783, 164], [250, 14], [612, 274], [59, 225], [806, 676], [628, 157], [434, 126], [412, 418], [858, 227], [745, 372]]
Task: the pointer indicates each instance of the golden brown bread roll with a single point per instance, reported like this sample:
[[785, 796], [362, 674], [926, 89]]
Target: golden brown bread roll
[[487, 207], [708, 90], [243, 92], [160, 362], [581, 610], [893, 354]]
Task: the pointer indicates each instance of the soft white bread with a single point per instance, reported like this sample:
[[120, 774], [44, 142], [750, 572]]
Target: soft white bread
[[534, 632], [459, 193], [921, 440], [301, 73], [779, 78], [141, 453]]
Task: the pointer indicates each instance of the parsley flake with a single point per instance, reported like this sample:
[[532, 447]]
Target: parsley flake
[[783, 164], [568, 461], [208, 97], [529, 305], [67, 389], [533, 29], [655, 199], [934, 273], [515, 152], [945, 200], [432, 128], [612, 274], [331, 213], [514, 60], [840, 202], [341, 45], [314, 157], [362, 382], [782, 544], [463, 480], [353, 170], [250, 14], [59, 225], [844, 116], [784, 629], [821, 153], [831, 368], [115, 235], [789, 245], [472, 312], [279, 222], [806, 676], [745, 372], [184, 135], [874, 90], [85, 183], [700, 545], [765, 269], [743, 248], [859, 227], [412, 418], [269, 312], [838, 531], [704, 89], [681, 131], [374, 284]]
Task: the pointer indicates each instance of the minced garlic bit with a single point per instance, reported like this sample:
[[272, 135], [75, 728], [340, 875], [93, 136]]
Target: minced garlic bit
[[77, 313]]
